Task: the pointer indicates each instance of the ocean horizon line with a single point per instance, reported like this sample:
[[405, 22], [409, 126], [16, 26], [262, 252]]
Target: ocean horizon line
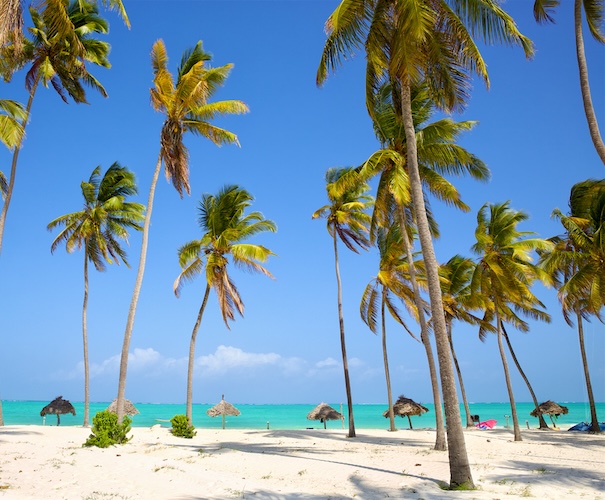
[[287, 404]]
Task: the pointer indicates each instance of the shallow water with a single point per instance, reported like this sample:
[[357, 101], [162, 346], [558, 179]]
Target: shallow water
[[367, 416]]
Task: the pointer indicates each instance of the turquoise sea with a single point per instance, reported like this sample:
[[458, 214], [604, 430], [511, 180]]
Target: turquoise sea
[[294, 416]]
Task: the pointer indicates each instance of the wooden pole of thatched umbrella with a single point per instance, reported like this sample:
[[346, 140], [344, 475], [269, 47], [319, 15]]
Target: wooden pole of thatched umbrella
[[129, 408], [58, 406], [324, 412], [551, 408], [223, 408], [406, 407]]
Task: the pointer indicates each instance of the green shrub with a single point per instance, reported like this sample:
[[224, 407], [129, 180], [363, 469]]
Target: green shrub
[[181, 427], [106, 431]]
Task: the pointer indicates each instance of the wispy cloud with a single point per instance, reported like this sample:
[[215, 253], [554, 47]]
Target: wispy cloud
[[225, 359]]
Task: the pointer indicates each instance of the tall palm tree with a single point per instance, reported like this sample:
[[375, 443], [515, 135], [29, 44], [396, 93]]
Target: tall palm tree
[[98, 227], [10, 134], [406, 42], [225, 225], [438, 154], [379, 295], [185, 105], [593, 10], [504, 275], [577, 264], [53, 60], [347, 220], [458, 302]]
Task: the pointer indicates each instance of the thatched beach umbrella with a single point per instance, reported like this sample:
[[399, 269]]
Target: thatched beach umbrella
[[129, 408], [223, 408], [58, 406], [406, 407], [550, 408], [324, 412]]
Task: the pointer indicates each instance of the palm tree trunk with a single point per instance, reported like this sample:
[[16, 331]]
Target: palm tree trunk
[[509, 386], [85, 342], [593, 409], [385, 358], [543, 424], [460, 471], [591, 118], [196, 327], [343, 346], [135, 295], [440, 440], [11, 181], [467, 410]]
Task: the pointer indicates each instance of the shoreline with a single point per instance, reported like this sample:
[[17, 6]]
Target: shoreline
[[50, 462]]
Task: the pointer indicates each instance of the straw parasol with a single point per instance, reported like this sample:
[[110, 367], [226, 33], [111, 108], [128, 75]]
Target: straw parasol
[[550, 408], [324, 412], [129, 408], [223, 408], [58, 406], [406, 407]]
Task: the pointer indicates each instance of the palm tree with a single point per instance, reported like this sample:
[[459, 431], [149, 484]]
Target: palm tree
[[98, 227], [225, 226], [406, 42], [577, 264], [379, 294], [186, 109], [54, 60], [458, 302], [438, 154], [504, 275], [346, 219], [10, 133], [593, 10]]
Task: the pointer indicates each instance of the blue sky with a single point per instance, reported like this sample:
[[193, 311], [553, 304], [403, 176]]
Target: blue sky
[[532, 134]]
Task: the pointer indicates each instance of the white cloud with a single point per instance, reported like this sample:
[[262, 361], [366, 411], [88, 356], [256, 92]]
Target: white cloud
[[224, 359], [327, 363], [227, 358]]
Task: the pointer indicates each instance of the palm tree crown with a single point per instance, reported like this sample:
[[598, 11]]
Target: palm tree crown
[[346, 216], [185, 105], [226, 226], [105, 218]]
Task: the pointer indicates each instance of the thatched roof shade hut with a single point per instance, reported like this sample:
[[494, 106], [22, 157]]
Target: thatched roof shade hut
[[550, 408], [324, 412], [406, 407], [58, 406], [223, 409], [129, 408]]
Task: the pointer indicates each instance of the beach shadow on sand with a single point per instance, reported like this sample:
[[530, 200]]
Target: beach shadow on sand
[[559, 476], [21, 431], [364, 490], [305, 450], [389, 439]]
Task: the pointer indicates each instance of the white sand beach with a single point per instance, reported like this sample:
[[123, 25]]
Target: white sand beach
[[45, 462]]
